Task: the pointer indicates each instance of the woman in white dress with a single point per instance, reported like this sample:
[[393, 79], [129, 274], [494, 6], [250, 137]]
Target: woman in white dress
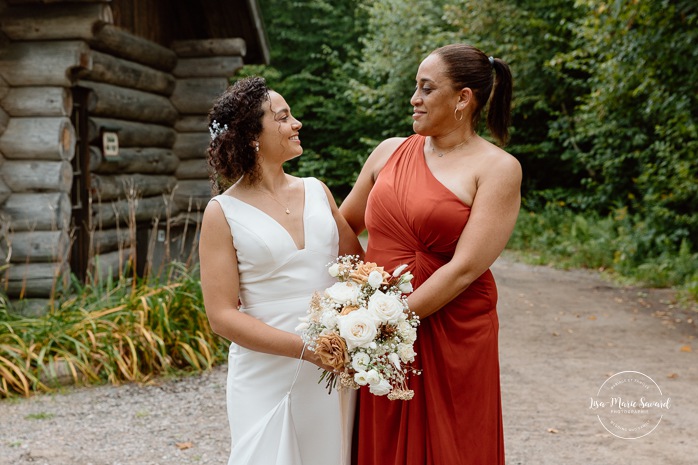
[[264, 246]]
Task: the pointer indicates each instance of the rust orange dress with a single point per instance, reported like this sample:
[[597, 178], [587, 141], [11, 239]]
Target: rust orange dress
[[455, 417]]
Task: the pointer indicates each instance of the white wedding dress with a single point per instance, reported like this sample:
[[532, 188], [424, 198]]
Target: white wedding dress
[[268, 425]]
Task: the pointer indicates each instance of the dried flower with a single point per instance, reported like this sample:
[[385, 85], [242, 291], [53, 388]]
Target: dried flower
[[332, 350]]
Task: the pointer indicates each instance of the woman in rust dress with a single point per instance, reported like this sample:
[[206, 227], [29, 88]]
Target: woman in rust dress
[[444, 201]]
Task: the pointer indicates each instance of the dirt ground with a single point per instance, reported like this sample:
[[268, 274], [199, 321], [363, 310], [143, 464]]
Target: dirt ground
[[563, 334]]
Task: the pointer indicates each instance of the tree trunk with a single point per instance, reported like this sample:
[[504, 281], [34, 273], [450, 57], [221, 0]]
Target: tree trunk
[[38, 101], [112, 187], [45, 138], [130, 104], [112, 70], [38, 175], [195, 96], [149, 160], [114, 40], [210, 47], [43, 63], [38, 212], [131, 134], [55, 22]]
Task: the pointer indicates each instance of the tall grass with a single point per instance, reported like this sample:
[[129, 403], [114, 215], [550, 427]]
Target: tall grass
[[114, 331], [618, 244]]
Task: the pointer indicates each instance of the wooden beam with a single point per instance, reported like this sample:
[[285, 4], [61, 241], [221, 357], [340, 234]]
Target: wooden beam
[[55, 22], [116, 41], [131, 134], [35, 279], [148, 160], [43, 63], [41, 138], [210, 47], [196, 168], [35, 246], [194, 96], [112, 187], [191, 145], [109, 214], [38, 211], [122, 72], [192, 123], [109, 240], [225, 67], [192, 195], [129, 104], [38, 175], [38, 101]]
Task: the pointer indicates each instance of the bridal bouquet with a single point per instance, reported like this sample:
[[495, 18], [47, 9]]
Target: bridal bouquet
[[361, 326]]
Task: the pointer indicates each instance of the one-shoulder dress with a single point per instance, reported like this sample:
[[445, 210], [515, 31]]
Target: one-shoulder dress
[[455, 417]]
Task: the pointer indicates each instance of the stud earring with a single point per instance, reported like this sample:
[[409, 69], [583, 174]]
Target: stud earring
[[256, 147]]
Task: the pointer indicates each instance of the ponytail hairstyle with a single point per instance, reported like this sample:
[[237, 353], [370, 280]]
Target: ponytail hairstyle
[[489, 78], [235, 122]]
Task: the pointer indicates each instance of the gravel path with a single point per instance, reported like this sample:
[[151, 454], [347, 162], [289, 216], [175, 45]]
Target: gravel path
[[562, 335]]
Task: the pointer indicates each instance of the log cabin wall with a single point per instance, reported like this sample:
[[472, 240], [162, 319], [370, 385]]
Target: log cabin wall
[[67, 74]]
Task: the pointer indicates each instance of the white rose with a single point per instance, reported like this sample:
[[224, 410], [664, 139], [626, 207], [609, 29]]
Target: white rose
[[381, 388], [407, 332], [360, 378], [334, 270], [375, 278], [360, 361], [406, 352], [302, 327], [343, 292], [358, 328], [399, 270], [372, 377], [386, 308], [406, 288]]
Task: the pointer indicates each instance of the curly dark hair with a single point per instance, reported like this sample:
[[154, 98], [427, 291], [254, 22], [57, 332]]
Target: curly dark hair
[[231, 154]]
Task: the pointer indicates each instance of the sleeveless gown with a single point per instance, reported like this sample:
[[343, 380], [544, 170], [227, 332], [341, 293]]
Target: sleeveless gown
[[267, 425], [455, 416]]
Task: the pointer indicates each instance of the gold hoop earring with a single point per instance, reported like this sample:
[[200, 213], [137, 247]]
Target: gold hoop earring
[[455, 113]]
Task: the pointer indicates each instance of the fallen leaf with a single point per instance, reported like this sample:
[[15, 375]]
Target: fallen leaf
[[591, 317], [672, 375], [555, 333], [184, 445], [552, 430], [686, 348]]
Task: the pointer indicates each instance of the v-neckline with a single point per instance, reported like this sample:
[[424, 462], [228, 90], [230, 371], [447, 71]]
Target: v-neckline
[[271, 218], [433, 176]]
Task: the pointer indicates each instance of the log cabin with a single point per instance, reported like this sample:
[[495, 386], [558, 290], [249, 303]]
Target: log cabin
[[103, 132]]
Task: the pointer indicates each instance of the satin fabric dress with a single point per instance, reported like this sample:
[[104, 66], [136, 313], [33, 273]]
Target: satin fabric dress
[[268, 425], [455, 417]]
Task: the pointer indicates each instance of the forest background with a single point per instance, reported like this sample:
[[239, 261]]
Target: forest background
[[604, 121]]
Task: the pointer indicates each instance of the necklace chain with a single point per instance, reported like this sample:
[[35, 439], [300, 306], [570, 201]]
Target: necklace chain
[[446, 152], [273, 197]]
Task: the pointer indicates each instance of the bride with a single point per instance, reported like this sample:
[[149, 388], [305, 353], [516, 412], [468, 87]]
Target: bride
[[264, 246]]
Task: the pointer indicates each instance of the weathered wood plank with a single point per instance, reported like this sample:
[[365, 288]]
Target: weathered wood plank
[[43, 63], [195, 96], [131, 134], [110, 264], [120, 72], [38, 101], [35, 279], [210, 47], [191, 145], [38, 175], [45, 138], [192, 123], [111, 187], [108, 214], [4, 120], [4, 86], [119, 42], [130, 104], [196, 168], [55, 22], [148, 160], [207, 67], [34, 246], [108, 240], [5, 192], [192, 195], [38, 212]]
